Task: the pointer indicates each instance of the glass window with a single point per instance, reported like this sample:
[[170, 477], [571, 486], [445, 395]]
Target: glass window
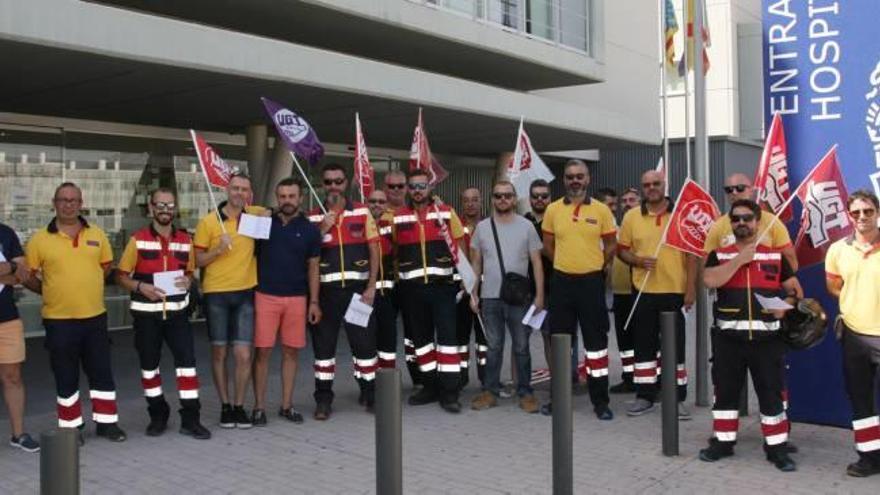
[[504, 12], [541, 20], [574, 20]]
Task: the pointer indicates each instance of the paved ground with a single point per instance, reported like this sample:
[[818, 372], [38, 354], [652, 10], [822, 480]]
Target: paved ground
[[497, 451]]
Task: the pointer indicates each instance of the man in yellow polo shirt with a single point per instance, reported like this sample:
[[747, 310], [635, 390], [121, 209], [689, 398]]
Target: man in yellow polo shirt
[[580, 239], [229, 278], [852, 275], [739, 186], [69, 261], [670, 286]]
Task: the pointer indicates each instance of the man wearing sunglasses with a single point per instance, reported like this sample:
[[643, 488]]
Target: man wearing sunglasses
[[349, 265], [384, 307], [667, 279], [580, 237], [157, 316], [427, 289], [622, 299], [852, 268], [746, 337], [466, 323], [739, 186]]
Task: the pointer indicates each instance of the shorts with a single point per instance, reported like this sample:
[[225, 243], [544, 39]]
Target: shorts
[[230, 317], [287, 313], [11, 342]]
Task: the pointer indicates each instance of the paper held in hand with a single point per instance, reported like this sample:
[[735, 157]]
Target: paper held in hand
[[167, 282], [358, 312], [534, 320], [255, 227], [772, 303]]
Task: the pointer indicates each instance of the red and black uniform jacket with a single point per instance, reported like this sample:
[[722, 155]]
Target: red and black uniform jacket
[[158, 254], [345, 248], [422, 254]]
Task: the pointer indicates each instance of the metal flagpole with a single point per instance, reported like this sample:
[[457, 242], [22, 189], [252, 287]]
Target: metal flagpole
[[664, 110], [701, 176], [685, 56]]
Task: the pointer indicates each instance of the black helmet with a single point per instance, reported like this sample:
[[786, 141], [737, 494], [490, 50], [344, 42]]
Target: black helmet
[[805, 325]]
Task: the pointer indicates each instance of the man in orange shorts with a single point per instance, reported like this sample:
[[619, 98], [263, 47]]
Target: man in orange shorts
[[287, 270]]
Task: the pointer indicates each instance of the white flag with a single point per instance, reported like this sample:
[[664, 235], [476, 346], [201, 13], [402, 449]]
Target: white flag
[[526, 166], [661, 167]]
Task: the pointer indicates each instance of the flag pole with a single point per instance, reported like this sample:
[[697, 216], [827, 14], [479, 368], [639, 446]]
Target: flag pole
[[688, 32], [308, 182], [359, 172], [192, 134], [664, 97]]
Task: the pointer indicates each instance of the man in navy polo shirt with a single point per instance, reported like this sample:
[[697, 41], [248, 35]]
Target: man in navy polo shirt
[[287, 270]]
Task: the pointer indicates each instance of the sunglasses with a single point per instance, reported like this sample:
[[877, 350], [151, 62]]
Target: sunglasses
[[162, 206], [399, 185], [738, 188], [866, 212], [69, 201], [544, 196], [418, 186], [376, 201], [656, 183], [748, 217], [330, 182], [575, 176], [502, 195]]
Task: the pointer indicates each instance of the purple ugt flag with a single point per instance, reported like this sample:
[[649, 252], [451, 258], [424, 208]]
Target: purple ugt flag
[[297, 134]]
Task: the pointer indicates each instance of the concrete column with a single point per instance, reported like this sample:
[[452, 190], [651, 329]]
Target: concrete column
[[280, 166], [257, 138]]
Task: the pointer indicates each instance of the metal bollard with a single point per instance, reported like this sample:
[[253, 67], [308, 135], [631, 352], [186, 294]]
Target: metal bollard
[[389, 434], [59, 462], [670, 389], [563, 479], [703, 315]]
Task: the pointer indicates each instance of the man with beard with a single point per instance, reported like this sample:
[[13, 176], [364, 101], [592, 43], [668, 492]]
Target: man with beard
[[670, 286], [229, 277], [287, 272], [427, 289], [746, 337], [466, 322], [622, 299], [157, 316], [384, 308], [580, 238], [349, 266], [69, 261], [852, 266]]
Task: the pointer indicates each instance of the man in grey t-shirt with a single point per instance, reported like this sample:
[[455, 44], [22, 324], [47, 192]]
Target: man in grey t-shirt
[[519, 244]]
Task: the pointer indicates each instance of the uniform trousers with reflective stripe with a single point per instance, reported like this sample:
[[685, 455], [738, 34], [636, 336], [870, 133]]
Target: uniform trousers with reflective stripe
[[466, 323], [75, 342], [334, 301], [733, 355], [430, 309], [150, 331], [861, 358], [409, 350], [645, 326], [385, 316], [625, 346]]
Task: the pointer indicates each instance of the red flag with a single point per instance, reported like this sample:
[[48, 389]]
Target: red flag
[[420, 156], [217, 172], [824, 217], [771, 178], [694, 213], [363, 171]]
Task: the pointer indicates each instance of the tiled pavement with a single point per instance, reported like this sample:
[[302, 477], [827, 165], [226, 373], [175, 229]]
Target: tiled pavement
[[498, 451]]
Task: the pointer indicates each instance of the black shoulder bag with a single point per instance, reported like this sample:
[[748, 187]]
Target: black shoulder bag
[[515, 288]]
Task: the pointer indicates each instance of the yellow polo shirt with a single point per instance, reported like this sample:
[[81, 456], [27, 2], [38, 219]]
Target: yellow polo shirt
[[860, 296], [621, 277], [72, 270], [235, 269], [578, 231], [640, 232], [721, 233]]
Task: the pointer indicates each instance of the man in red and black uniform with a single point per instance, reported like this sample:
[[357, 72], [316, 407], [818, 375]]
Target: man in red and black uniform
[[349, 265], [160, 316], [746, 337], [426, 267], [466, 323], [384, 308]]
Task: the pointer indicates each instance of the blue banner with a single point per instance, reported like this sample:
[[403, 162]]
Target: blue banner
[[822, 73]]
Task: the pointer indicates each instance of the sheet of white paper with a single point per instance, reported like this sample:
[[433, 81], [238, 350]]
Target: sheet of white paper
[[358, 312], [166, 282], [534, 320], [255, 227], [772, 303]]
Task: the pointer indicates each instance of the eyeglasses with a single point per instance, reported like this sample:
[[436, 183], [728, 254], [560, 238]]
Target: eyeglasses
[[575, 176], [398, 185], [544, 196], [376, 201], [648, 185], [418, 186], [502, 195], [866, 212], [163, 206], [748, 217], [738, 188], [338, 182]]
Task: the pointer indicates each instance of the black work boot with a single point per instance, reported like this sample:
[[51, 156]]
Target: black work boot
[[190, 425], [159, 413]]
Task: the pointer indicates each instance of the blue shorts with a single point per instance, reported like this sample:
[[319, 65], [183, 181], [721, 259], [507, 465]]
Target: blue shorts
[[231, 317]]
